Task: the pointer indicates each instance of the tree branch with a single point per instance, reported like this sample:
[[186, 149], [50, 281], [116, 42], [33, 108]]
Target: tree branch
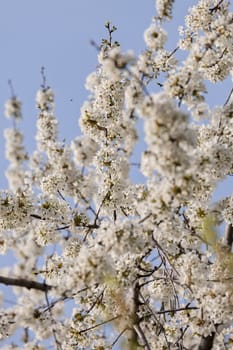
[[22, 282], [133, 335], [136, 331], [207, 342], [229, 235], [217, 7]]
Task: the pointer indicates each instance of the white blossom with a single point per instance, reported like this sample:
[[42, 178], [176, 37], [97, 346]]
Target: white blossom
[[13, 108], [45, 99], [164, 8], [155, 37]]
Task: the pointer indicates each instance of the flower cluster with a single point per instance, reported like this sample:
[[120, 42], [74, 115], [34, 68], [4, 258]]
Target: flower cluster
[[164, 8], [13, 108]]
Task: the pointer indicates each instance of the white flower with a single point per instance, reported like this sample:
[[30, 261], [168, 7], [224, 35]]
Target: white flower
[[45, 234], [115, 63], [84, 150], [45, 99], [155, 37], [164, 8], [47, 130], [13, 108]]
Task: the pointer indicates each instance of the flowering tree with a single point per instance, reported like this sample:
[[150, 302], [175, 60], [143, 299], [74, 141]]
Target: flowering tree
[[101, 262]]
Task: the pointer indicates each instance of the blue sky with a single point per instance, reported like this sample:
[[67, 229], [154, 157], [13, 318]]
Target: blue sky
[[56, 34]]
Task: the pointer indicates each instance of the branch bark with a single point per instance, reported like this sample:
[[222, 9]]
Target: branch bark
[[22, 282], [229, 235], [207, 342], [136, 330]]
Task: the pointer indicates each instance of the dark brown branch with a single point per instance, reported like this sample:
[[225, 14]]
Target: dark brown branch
[[229, 235], [207, 342], [22, 282], [134, 316], [135, 331], [35, 216], [217, 7]]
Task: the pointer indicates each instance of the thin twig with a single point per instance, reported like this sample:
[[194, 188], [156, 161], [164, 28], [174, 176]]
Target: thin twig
[[58, 343], [173, 51], [118, 337], [145, 218], [228, 97], [65, 297], [43, 76], [165, 255], [99, 324], [177, 310], [13, 96], [156, 319]]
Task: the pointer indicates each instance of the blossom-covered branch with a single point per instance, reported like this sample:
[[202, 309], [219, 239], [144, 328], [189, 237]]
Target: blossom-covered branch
[[127, 265]]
